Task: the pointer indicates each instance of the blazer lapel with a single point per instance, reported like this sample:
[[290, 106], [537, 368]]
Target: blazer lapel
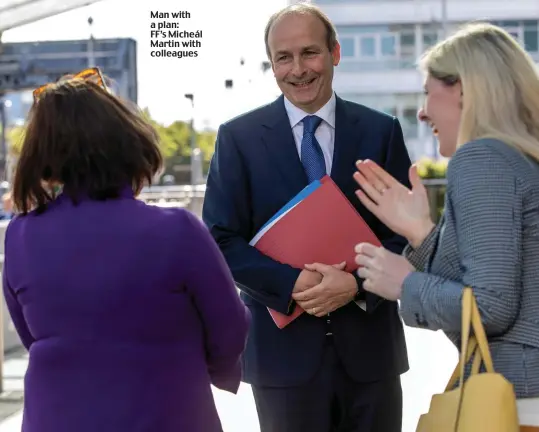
[[346, 144], [281, 147]]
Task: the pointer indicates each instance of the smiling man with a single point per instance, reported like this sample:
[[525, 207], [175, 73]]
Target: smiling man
[[336, 367]]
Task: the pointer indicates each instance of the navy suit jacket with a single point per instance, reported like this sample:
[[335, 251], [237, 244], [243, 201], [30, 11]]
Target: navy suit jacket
[[255, 170]]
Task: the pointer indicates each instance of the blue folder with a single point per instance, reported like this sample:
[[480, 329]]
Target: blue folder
[[304, 193]]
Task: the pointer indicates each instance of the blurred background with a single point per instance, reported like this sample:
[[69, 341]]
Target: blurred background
[[381, 41], [187, 99]]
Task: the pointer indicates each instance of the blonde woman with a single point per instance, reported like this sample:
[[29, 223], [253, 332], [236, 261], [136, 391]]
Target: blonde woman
[[482, 101]]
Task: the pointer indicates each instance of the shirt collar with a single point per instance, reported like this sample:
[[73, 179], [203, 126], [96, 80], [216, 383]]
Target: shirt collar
[[326, 113]]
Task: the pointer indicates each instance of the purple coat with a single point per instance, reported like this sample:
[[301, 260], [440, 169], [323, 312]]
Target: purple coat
[[129, 313]]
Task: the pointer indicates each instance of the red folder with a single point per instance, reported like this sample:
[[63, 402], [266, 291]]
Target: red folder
[[324, 227]]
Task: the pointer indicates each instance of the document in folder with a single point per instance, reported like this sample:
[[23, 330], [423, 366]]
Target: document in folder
[[318, 225]]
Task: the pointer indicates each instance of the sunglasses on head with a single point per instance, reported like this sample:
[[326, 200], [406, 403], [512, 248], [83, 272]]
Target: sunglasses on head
[[91, 74]]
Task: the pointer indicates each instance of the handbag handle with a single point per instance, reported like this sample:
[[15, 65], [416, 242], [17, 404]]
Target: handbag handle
[[471, 316], [472, 349], [470, 345]]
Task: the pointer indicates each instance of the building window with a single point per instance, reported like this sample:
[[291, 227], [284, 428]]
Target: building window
[[515, 33], [388, 46], [409, 123], [507, 24], [526, 33], [348, 47], [430, 39], [407, 45], [397, 46], [531, 36], [367, 46]]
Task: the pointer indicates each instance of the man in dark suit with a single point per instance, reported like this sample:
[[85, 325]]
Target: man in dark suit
[[336, 367]]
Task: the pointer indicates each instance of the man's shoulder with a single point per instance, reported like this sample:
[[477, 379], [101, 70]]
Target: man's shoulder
[[256, 116], [264, 113], [365, 112]]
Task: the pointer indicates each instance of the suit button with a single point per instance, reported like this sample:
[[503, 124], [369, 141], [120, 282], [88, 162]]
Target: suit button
[[420, 322], [328, 321]]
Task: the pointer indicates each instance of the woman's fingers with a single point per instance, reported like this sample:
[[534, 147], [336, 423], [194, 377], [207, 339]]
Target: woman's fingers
[[363, 273], [367, 187], [372, 170], [373, 179], [368, 203], [366, 249]]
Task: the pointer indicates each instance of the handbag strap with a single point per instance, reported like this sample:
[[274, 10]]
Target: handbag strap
[[471, 316], [480, 334], [476, 363], [475, 345], [472, 349]]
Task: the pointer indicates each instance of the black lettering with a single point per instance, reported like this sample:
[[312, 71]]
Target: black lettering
[[159, 14]]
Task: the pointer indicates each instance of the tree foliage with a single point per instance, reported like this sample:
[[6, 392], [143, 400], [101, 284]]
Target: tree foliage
[[428, 168], [175, 141], [14, 138]]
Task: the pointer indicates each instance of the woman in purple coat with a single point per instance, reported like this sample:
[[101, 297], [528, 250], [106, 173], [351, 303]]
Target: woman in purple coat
[[128, 311]]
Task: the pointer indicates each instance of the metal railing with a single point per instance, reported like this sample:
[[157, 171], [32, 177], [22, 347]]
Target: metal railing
[[436, 193], [181, 194]]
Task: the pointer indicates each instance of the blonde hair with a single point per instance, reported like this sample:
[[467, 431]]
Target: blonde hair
[[500, 85]]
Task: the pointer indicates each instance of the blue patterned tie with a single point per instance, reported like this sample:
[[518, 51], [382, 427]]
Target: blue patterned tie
[[312, 157]]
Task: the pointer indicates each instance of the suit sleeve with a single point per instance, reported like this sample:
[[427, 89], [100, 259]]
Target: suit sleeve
[[484, 198], [418, 257], [227, 213], [224, 316], [12, 303], [397, 163]]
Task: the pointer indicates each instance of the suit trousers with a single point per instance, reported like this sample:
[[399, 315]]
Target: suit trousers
[[331, 402]]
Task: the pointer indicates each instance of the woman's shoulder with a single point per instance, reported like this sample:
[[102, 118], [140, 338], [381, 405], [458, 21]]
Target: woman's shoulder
[[489, 155], [177, 220], [174, 215], [16, 224], [485, 147]]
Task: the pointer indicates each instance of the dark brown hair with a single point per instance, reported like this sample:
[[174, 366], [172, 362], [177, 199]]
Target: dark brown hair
[[86, 140], [303, 8]]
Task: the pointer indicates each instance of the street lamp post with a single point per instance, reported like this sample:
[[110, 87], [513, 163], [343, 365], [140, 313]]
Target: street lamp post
[[196, 153], [91, 49]]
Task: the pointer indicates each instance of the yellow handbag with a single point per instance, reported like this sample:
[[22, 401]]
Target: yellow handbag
[[486, 402]]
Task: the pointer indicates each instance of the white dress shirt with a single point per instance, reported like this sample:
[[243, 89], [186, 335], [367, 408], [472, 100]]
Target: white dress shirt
[[325, 134]]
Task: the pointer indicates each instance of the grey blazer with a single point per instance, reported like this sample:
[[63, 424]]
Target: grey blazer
[[488, 238]]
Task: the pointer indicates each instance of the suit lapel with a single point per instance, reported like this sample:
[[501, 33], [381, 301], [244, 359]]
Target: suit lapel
[[346, 144], [281, 147]]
